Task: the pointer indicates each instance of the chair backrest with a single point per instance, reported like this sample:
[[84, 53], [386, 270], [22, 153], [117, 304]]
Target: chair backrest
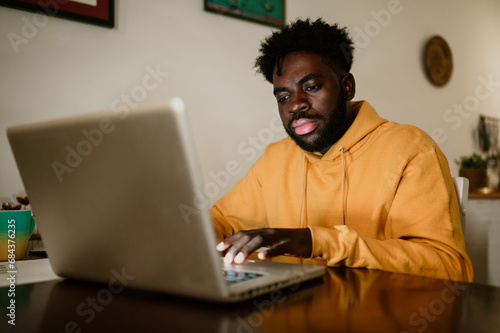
[[462, 189]]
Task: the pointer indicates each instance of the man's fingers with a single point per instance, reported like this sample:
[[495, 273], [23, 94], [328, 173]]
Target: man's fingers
[[277, 250], [252, 245], [222, 246], [239, 246], [228, 242], [237, 242]]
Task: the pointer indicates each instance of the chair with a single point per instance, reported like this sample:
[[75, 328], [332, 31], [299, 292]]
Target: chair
[[462, 189]]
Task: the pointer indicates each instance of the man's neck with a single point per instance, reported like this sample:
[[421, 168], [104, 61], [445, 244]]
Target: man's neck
[[350, 115]]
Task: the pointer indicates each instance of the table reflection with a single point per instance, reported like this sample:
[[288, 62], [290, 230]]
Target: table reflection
[[347, 300]]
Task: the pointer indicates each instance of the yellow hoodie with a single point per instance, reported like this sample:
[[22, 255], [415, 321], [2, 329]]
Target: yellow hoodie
[[381, 198]]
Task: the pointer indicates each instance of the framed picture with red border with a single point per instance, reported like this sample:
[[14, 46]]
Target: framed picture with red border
[[99, 12]]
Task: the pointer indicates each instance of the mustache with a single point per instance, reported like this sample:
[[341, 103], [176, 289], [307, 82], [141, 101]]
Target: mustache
[[299, 115]]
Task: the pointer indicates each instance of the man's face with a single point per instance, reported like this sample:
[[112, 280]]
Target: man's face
[[311, 101]]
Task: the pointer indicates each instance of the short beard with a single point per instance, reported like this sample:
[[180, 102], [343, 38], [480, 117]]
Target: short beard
[[333, 131]]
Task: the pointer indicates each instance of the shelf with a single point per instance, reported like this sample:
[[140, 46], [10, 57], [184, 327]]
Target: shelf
[[479, 195]]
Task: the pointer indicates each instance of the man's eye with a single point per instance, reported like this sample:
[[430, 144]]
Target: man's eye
[[313, 88], [282, 99]]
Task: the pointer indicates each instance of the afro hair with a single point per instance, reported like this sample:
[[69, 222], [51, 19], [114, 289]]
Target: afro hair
[[329, 41]]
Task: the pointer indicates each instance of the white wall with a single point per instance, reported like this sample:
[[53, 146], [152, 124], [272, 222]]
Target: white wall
[[69, 68]]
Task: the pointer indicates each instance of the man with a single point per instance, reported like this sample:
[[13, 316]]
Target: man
[[347, 186]]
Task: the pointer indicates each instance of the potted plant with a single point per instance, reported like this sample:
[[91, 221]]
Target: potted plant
[[474, 169]]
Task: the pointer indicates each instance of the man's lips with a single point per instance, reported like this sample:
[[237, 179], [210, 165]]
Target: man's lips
[[304, 126]]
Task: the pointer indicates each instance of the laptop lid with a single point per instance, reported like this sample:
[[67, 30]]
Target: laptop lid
[[114, 196]]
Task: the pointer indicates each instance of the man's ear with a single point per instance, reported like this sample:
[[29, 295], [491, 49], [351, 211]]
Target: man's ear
[[349, 85]]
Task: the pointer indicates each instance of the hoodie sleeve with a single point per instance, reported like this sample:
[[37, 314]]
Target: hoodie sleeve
[[422, 233], [242, 207]]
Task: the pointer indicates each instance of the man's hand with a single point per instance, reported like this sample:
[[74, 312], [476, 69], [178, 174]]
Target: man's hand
[[295, 242]]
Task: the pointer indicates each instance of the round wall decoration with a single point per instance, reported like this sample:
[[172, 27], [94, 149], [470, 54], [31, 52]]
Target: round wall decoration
[[438, 60]]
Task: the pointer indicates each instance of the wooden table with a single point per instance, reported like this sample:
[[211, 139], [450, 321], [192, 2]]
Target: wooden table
[[346, 300]]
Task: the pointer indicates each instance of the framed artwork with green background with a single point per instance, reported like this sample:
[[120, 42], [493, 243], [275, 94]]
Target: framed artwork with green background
[[268, 12]]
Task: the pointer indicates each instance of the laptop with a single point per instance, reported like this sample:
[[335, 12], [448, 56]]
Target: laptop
[[116, 196]]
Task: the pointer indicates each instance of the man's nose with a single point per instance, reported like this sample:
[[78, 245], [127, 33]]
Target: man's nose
[[300, 103]]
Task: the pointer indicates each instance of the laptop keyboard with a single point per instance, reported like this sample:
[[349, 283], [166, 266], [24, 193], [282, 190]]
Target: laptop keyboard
[[232, 276]]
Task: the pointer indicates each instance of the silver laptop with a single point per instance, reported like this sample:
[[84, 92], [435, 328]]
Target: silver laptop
[[115, 197]]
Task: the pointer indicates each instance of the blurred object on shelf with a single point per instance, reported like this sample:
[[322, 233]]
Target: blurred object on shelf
[[10, 206], [484, 139], [23, 200], [488, 139]]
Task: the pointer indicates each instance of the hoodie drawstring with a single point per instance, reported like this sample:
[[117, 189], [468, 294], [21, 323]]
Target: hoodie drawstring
[[342, 203], [303, 188]]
